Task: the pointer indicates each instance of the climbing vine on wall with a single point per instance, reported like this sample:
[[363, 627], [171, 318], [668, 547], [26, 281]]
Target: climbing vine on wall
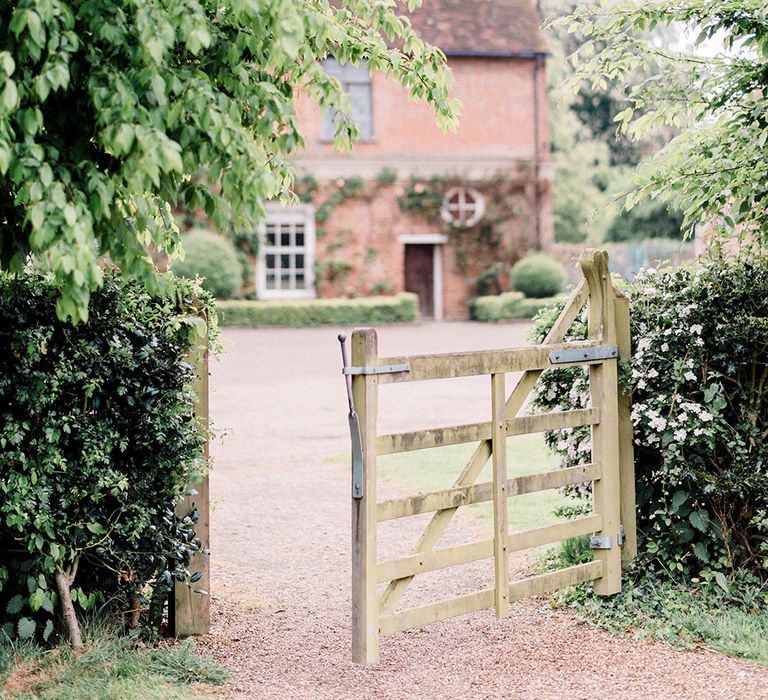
[[482, 244]]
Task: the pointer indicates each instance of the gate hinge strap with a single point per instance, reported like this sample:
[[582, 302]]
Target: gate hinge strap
[[573, 355], [379, 369]]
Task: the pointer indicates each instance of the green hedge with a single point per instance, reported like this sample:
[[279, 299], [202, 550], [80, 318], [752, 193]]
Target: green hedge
[[402, 308], [505, 307]]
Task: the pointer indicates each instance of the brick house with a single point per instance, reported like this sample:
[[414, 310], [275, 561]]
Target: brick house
[[412, 208]]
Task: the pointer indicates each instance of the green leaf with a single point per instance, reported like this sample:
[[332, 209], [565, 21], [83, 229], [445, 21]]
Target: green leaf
[[722, 581], [26, 628], [37, 599], [14, 605], [699, 519], [48, 630], [96, 528]]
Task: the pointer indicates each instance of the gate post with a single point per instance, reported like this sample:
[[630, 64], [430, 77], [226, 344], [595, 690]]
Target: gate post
[[603, 387], [365, 603], [190, 611], [626, 445]]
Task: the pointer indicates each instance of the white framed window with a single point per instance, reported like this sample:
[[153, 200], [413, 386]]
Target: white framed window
[[287, 253], [356, 81], [462, 207]]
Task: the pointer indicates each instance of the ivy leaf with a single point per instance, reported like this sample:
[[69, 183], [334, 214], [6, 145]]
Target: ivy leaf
[[14, 605], [26, 628]]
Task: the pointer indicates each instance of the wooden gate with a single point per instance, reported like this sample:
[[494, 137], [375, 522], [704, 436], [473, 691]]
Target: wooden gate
[[611, 469]]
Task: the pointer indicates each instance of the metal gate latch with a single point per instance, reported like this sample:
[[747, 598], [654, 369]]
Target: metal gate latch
[[600, 542]]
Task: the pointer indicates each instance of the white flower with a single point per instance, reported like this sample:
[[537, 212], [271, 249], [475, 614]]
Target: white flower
[[643, 345], [641, 384], [680, 434], [652, 373], [664, 347], [696, 328], [658, 423], [705, 416], [690, 376]]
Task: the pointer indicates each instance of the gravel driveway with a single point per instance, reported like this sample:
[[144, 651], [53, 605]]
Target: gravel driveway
[[280, 543]]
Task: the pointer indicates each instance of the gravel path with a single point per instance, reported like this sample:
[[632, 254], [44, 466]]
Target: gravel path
[[280, 543]]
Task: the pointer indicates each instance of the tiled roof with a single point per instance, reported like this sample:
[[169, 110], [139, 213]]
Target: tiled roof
[[480, 27]]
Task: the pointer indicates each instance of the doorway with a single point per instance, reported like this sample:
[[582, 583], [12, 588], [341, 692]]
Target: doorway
[[420, 276]]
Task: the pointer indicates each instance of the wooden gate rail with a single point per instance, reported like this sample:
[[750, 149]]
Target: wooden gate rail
[[611, 470]]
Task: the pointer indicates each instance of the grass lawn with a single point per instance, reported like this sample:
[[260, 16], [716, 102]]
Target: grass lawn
[[438, 468], [109, 668]]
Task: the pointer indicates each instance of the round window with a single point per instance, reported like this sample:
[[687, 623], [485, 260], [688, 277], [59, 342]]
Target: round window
[[462, 206]]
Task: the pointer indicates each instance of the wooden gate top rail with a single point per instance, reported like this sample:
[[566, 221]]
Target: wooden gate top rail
[[470, 364], [435, 559], [475, 432], [478, 493], [472, 602]]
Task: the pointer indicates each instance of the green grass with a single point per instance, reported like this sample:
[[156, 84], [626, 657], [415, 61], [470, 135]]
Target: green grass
[[109, 668], [438, 468]]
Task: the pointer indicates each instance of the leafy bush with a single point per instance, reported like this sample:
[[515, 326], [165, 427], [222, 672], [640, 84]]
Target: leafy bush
[[97, 441], [505, 307], [649, 219], [215, 259], [538, 275], [700, 415], [402, 308]]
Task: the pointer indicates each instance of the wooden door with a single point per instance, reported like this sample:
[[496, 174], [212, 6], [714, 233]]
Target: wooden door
[[420, 276]]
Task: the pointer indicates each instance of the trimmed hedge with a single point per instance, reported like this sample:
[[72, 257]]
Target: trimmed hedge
[[506, 307], [538, 275], [402, 308]]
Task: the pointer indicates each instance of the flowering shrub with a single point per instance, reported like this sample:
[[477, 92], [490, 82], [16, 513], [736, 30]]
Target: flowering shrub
[[698, 377]]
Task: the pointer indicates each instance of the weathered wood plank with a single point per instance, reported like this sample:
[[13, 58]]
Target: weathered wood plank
[[554, 580], [500, 513], [473, 432], [626, 444], [603, 382], [190, 611], [433, 560], [469, 364], [365, 607], [523, 425], [435, 612], [483, 549], [479, 493], [558, 532], [395, 590], [432, 437]]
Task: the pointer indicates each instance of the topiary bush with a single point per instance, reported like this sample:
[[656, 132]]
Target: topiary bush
[[698, 375], [215, 259], [98, 439], [538, 275]]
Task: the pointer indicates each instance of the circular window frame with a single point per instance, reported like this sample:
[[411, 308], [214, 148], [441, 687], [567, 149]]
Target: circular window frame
[[447, 210]]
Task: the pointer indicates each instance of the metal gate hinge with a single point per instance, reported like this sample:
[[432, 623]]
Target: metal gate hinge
[[379, 369], [571, 355]]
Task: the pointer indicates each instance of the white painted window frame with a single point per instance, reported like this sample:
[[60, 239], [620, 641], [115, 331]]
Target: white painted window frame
[[437, 241], [278, 214]]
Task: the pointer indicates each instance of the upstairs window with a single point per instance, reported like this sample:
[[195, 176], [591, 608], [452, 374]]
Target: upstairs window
[[356, 82], [287, 253]]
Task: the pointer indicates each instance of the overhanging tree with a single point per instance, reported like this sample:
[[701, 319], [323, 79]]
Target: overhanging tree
[[112, 113], [714, 170]]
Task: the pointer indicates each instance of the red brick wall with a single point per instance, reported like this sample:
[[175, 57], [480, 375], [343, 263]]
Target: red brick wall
[[358, 247]]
